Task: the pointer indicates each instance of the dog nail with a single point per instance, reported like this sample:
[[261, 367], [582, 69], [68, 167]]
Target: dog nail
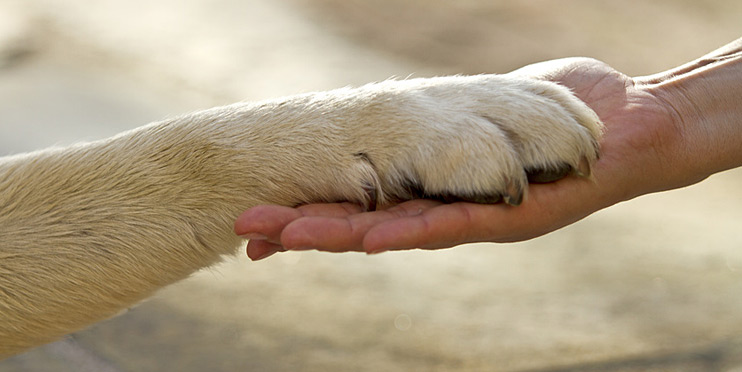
[[513, 194], [583, 168], [371, 197]]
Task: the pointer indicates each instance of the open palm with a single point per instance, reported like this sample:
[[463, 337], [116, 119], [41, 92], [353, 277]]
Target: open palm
[[640, 129]]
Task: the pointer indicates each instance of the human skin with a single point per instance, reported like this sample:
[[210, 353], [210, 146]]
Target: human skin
[[662, 132]]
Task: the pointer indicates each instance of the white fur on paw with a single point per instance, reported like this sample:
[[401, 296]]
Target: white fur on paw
[[479, 138]]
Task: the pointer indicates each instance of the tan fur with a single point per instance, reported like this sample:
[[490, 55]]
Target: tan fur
[[88, 230]]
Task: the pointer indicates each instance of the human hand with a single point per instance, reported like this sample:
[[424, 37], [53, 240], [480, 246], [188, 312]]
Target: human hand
[[642, 151]]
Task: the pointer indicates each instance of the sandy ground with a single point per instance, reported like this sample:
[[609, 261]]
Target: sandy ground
[[654, 284]]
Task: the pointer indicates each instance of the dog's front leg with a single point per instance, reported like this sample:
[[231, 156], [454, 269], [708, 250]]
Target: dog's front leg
[[90, 229]]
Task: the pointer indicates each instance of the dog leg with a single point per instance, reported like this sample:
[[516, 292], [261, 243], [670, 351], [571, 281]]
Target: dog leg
[[88, 230]]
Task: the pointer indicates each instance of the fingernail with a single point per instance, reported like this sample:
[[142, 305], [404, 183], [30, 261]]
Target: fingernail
[[254, 236], [265, 255], [376, 251]]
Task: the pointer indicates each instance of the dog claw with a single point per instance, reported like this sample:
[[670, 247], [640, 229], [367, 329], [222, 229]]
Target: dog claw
[[372, 197], [583, 168], [513, 194]]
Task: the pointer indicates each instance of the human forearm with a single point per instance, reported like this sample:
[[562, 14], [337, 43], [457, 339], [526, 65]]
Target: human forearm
[[705, 97]]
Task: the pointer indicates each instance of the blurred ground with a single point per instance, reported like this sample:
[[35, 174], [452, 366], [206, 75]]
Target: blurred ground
[[475, 36], [654, 284]]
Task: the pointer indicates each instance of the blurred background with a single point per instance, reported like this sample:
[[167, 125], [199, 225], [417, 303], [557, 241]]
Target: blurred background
[[654, 284]]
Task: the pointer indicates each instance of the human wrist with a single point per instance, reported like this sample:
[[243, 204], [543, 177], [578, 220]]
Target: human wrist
[[707, 113]]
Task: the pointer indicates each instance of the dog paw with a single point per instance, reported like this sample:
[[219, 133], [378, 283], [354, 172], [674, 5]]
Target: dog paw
[[479, 138]]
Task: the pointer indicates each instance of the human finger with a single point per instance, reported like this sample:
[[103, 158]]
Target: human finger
[[261, 249], [265, 222], [547, 208], [344, 232]]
